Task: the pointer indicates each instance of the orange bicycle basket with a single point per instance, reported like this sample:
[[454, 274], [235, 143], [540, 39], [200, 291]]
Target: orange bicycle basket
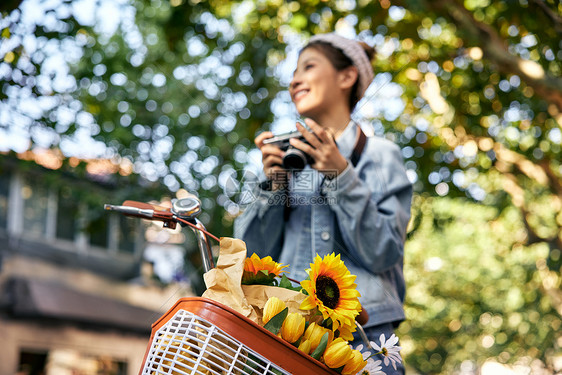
[[201, 336]]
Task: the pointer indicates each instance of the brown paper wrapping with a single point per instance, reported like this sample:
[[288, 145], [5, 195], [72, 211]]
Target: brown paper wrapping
[[223, 281], [224, 285]]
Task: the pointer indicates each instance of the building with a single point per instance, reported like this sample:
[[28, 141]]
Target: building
[[76, 296]]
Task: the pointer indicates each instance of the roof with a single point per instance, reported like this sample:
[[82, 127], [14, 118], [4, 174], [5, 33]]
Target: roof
[[53, 159], [28, 298]]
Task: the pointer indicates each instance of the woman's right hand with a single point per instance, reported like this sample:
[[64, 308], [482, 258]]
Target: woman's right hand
[[272, 159]]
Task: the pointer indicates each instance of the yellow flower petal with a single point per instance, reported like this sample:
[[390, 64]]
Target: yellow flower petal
[[346, 333], [305, 346]]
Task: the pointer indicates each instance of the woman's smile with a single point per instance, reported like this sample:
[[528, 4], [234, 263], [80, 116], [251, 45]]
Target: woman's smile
[[299, 94]]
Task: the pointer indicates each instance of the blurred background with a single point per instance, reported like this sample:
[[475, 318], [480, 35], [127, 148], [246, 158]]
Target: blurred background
[[107, 100]]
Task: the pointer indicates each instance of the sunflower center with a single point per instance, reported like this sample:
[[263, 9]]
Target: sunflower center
[[327, 291]]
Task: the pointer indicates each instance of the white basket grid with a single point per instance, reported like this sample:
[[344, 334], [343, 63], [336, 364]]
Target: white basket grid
[[189, 345]]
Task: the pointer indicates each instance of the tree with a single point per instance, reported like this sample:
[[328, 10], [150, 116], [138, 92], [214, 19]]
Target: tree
[[180, 89]]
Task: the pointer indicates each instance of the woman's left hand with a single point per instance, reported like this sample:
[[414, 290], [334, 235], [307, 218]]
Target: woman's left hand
[[322, 148]]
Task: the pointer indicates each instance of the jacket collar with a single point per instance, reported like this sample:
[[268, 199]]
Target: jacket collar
[[347, 139]]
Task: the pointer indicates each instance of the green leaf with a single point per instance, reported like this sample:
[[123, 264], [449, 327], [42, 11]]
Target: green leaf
[[327, 323], [275, 323], [321, 347], [263, 277], [339, 369], [286, 283]]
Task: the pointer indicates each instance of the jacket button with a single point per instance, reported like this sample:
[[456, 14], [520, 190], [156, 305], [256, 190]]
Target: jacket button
[[325, 236]]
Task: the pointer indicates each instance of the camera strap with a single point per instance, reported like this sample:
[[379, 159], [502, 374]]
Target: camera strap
[[359, 146]]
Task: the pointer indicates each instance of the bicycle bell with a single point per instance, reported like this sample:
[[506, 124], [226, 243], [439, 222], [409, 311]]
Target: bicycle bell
[[186, 208]]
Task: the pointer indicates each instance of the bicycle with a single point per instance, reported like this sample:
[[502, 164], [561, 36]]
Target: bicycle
[[201, 336]]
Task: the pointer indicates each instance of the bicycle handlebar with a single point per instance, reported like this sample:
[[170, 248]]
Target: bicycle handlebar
[[184, 211]]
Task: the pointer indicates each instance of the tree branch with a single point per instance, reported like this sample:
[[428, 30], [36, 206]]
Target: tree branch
[[495, 49], [542, 173], [556, 20], [553, 179], [532, 170], [516, 193]]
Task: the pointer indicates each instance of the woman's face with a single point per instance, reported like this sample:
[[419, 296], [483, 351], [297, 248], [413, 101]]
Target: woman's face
[[314, 87]]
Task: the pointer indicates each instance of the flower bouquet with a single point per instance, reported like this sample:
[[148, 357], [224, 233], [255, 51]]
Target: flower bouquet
[[317, 315]]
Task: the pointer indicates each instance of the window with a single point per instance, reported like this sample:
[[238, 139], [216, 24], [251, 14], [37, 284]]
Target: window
[[71, 361], [64, 217], [4, 192], [35, 204], [67, 214], [98, 228], [127, 234], [112, 231], [68, 361], [32, 362]]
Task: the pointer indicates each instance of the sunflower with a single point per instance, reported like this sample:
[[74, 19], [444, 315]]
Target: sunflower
[[331, 288], [261, 271], [346, 332]]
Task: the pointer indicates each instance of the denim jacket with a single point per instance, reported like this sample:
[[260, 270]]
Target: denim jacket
[[361, 214]]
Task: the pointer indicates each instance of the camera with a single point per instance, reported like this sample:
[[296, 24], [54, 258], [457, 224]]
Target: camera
[[294, 159]]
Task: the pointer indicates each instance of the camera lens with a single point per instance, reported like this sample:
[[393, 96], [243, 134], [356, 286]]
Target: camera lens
[[294, 160]]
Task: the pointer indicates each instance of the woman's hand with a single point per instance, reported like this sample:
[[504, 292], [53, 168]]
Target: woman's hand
[[272, 159], [322, 148]]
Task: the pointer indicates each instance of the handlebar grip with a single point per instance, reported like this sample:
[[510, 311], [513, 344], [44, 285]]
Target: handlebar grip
[[145, 211], [145, 206], [131, 211], [160, 213]]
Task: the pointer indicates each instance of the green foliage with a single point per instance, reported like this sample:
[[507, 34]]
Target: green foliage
[[475, 290], [287, 284], [263, 277]]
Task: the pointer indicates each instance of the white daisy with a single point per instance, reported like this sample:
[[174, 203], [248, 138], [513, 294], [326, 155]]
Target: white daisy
[[389, 350], [372, 368], [366, 354]]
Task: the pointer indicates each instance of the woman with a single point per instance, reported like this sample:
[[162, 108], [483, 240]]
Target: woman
[[353, 199]]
